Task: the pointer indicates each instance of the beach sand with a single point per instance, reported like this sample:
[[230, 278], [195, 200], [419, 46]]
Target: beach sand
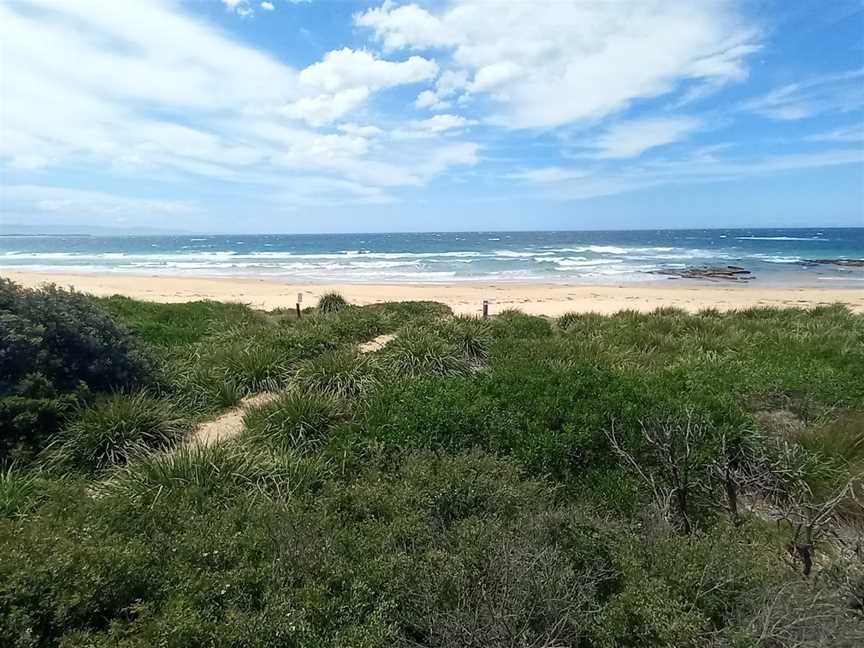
[[536, 298]]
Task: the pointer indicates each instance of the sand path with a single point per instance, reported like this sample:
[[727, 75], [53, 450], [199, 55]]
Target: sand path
[[230, 423]]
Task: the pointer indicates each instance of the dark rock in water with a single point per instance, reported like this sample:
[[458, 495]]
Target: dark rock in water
[[848, 263], [726, 273]]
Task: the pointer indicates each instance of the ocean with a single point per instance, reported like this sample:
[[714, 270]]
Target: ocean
[[774, 256]]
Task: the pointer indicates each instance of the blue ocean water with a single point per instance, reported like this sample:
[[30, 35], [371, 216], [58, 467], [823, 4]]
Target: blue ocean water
[[774, 256]]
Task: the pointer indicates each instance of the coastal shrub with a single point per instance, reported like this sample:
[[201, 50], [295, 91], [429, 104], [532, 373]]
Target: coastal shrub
[[296, 420], [344, 373], [331, 302], [114, 428], [68, 338], [56, 348], [27, 422]]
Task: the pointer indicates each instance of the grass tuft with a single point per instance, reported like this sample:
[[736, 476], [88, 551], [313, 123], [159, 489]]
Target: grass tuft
[[418, 352], [332, 302], [113, 429], [296, 420], [344, 373]]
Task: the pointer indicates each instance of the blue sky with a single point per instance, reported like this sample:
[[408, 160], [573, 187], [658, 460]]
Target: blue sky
[[289, 116]]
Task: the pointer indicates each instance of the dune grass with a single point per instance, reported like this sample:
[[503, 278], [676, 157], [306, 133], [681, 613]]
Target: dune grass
[[114, 429]]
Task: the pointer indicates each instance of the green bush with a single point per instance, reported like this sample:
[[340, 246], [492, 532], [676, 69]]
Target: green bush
[[114, 429], [331, 302], [56, 347], [295, 420], [68, 338]]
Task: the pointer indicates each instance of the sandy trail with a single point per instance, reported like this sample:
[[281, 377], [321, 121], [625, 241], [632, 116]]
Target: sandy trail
[[229, 424], [377, 344]]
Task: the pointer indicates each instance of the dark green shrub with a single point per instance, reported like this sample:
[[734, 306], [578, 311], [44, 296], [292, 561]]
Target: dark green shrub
[[298, 420], [68, 338], [56, 346], [114, 428], [331, 302]]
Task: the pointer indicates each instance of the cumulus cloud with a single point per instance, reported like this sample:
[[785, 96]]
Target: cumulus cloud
[[345, 79], [142, 89], [346, 68], [267, 6], [548, 64]]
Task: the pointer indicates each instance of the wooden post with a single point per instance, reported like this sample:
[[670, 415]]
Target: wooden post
[[485, 309], [299, 301]]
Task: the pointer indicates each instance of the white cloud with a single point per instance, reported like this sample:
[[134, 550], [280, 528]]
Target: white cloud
[[241, 7], [344, 80], [547, 64], [141, 90], [406, 26], [849, 134], [323, 109], [433, 126], [447, 85], [346, 68], [632, 138], [360, 131], [76, 202], [267, 6], [564, 183], [831, 93]]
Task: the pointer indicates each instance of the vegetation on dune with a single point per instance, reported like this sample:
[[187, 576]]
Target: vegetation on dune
[[115, 428], [57, 347], [331, 302], [656, 480]]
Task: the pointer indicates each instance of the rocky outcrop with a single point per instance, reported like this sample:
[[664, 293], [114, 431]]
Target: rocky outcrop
[[711, 273], [847, 263]]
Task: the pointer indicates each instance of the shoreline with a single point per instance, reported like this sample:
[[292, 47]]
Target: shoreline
[[552, 299]]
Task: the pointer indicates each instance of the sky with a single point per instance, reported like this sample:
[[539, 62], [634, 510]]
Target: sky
[[287, 116]]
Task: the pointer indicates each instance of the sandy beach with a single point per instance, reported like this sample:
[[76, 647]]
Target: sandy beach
[[537, 298]]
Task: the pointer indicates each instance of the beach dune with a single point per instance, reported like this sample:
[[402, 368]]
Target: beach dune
[[551, 299]]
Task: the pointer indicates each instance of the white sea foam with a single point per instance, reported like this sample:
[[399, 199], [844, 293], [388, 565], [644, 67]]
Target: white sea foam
[[779, 238]]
